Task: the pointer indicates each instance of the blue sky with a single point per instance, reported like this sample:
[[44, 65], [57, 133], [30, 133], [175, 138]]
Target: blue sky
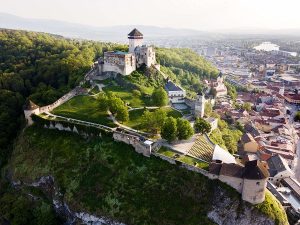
[[196, 14]]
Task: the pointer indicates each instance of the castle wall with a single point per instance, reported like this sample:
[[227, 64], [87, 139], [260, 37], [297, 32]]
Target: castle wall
[[138, 145], [145, 55], [254, 190], [236, 183], [176, 96]]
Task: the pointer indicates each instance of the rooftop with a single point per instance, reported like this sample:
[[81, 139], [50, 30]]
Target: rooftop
[[277, 164], [170, 86], [135, 33], [255, 170]]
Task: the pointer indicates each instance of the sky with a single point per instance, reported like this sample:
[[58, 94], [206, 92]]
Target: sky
[[195, 14]]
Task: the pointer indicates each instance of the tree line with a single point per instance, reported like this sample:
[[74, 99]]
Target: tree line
[[40, 67]]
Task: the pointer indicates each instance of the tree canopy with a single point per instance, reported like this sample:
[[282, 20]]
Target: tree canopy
[[160, 97], [40, 67], [202, 126], [184, 129], [169, 129]]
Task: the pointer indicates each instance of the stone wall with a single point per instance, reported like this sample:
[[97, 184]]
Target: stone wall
[[163, 157], [135, 141], [234, 182]]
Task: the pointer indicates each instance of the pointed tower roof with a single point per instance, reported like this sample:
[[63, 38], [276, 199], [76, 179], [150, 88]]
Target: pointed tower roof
[[135, 34]]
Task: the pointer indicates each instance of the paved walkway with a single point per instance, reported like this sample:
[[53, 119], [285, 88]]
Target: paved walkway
[[123, 126], [182, 146]]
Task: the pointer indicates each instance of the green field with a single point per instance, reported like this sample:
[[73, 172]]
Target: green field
[[135, 116], [84, 108], [128, 97]]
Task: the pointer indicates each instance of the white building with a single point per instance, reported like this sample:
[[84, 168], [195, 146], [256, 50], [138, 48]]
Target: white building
[[176, 93], [126, 62]]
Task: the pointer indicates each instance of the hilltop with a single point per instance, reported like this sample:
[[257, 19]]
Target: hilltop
[[94, 174]]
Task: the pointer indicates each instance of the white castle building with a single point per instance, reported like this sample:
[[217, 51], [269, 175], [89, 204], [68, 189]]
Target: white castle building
[[126, 62]]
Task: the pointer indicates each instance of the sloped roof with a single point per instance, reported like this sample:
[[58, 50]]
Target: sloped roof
[[170, 86], [277, 164], [202, 149], [215, 167], [247, 137], [255, 170], [223, 155], [232, 170], [135, 33], [249, 128]]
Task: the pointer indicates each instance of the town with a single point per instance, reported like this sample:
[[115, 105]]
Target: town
[[259, 107]]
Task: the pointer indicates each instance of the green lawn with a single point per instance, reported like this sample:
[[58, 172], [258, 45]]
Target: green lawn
[[128, 97], [183, 158], [192, 161], [84, 108], [136, 115], [167, 152]]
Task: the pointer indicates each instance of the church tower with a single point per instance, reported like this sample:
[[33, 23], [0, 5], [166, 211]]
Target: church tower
[[135, 39], [200, 105]]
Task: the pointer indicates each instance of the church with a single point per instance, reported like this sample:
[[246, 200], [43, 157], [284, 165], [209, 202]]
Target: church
[[126, 62]]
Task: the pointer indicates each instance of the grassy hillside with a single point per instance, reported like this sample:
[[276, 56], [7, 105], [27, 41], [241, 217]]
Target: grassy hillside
[[111, 179], [84, 108]]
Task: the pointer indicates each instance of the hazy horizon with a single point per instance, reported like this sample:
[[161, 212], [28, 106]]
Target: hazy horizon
[[204, 15]]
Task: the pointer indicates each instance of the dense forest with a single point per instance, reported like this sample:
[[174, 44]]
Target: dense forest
[[186, 67], [40, 67]]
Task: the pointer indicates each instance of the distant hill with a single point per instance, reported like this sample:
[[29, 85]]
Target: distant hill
[[113, 33], [118, 33]]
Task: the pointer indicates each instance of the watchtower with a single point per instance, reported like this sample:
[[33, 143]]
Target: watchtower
[[200, 105], [135, 39]]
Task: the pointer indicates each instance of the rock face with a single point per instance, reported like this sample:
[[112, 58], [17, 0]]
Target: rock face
[[227, 211]]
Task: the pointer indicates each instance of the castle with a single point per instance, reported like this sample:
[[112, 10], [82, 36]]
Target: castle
[[250, 179], [126, 62]]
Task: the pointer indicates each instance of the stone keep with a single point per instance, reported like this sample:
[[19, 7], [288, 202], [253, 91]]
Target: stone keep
[[200, 105], [135, 39]]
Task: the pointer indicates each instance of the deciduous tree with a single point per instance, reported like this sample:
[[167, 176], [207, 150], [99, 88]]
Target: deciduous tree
[[169, 129], [160, 97], [202, 126], [184, 129]]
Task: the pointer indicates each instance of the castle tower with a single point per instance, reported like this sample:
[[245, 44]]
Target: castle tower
[[255, 182], [200, 105], [135, 39]]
